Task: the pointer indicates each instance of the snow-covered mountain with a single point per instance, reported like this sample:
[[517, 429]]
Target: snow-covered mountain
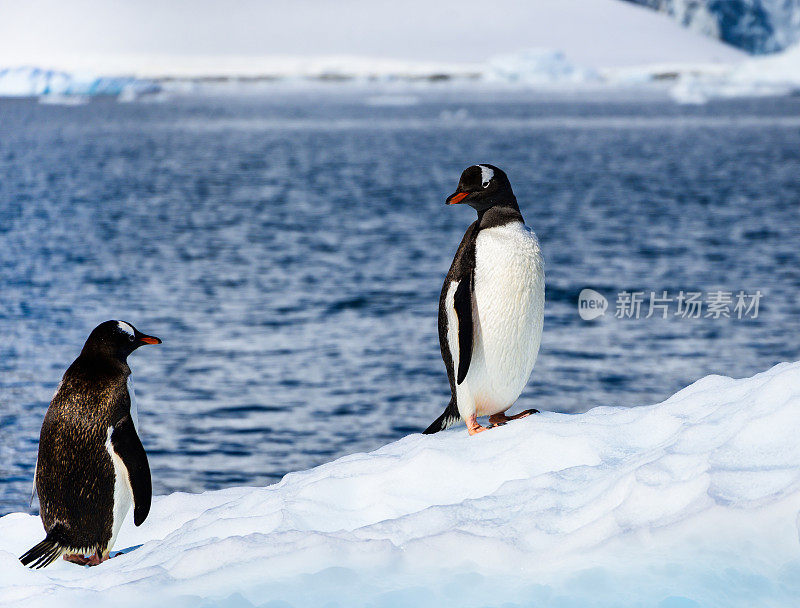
[[535, 43], [757, 26], [690, 502], [360, 38]]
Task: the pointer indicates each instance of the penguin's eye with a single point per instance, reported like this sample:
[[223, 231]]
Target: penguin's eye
[[485, 184], [130, 338]]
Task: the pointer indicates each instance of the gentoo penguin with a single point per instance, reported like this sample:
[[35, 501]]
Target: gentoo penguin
[[91, 463], [491, 307]]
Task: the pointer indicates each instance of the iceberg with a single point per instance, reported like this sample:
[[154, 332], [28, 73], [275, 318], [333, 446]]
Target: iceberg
[[779, 70], [690, 502], [35, 82], [538, 67], [770, 75]]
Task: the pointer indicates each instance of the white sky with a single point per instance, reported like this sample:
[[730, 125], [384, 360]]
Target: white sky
[[600, 33]]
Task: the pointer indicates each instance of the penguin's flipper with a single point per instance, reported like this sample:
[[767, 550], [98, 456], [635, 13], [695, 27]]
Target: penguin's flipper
[[128, 447], [462, 301]]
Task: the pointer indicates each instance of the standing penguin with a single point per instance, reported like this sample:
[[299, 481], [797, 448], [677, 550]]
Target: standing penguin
[[91, 463], [491, 308]]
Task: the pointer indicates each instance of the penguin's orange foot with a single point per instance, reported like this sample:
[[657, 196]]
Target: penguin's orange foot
[[472, 425], [82, 560], [76, 559], [501, 418], [96, 560]]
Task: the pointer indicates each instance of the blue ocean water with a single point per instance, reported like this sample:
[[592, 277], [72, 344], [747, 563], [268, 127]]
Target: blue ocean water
[[289, 249]]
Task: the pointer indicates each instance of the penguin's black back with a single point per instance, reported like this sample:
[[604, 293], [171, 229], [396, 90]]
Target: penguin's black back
[[462, 268], [75, 473]]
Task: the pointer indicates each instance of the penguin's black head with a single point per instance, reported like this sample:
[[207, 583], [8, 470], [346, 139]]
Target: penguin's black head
[[116, 339], [482, 187]]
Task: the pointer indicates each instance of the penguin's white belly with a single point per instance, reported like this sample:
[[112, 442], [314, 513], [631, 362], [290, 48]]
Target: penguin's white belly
[[123, 494], [508, 313]]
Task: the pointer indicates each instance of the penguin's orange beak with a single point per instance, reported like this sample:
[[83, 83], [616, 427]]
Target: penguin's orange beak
[[149, 339], [456, 198]]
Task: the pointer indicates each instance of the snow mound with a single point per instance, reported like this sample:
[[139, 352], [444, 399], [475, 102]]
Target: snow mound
[[537, 66], [693, 501], [33, 82]]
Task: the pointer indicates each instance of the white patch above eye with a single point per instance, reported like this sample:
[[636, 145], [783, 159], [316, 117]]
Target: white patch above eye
[[125, 327], [486, 175]]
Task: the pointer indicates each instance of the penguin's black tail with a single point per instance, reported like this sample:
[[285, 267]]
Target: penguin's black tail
[[448, 418], [47, 551]]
